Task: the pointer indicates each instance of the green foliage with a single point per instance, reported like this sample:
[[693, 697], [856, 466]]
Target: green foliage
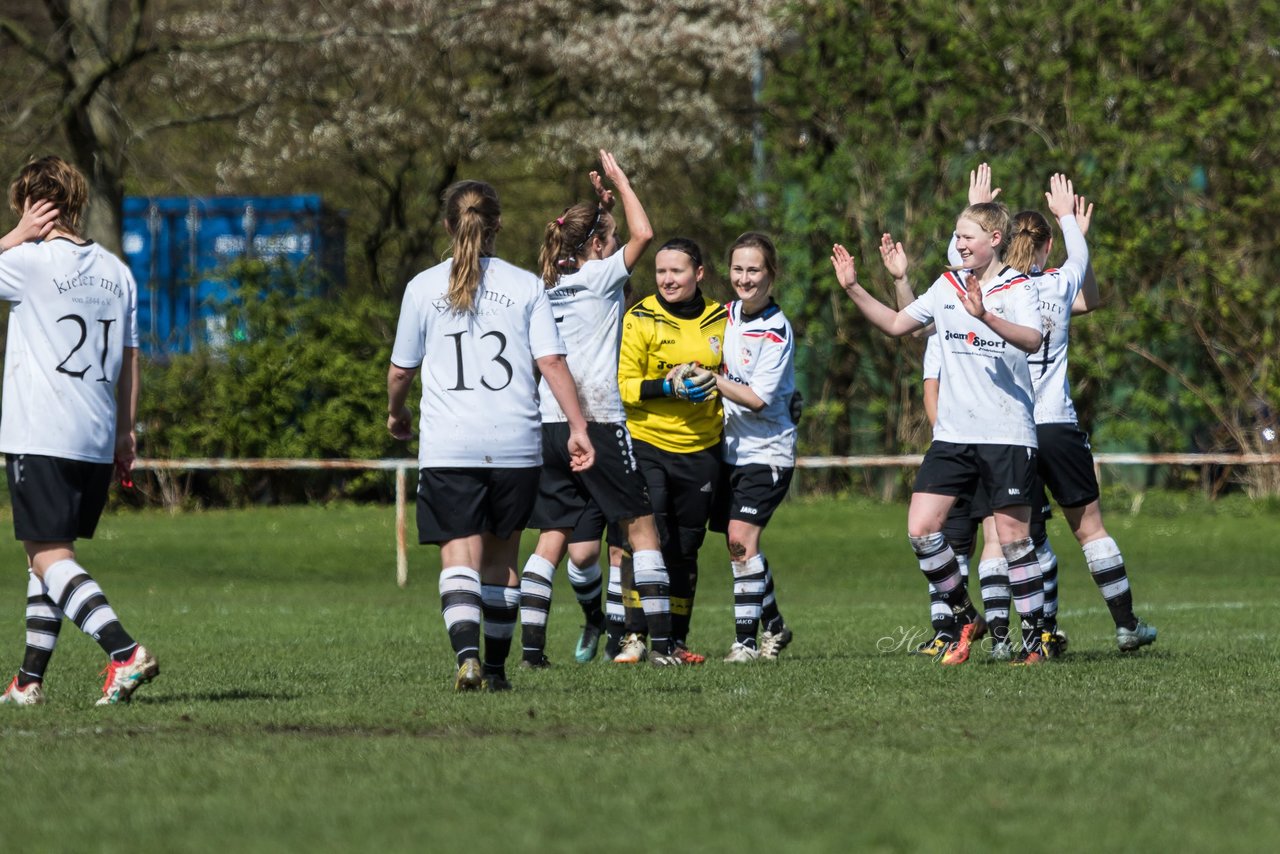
[[299, 376], [877, 112]]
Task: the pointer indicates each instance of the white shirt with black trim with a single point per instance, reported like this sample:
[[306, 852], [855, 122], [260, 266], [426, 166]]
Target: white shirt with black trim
[[759, 351], [1057, 289], [588, 307], [985, 395], [75, 309], [479, 399]]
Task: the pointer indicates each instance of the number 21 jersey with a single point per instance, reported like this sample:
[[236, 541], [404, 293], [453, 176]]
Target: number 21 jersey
[[479, 398], [75, 309]]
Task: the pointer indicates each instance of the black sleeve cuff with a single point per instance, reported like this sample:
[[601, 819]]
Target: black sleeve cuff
[[650, 389]]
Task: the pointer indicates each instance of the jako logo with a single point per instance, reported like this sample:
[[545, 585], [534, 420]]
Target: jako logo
[[972, 339], [749, 510]]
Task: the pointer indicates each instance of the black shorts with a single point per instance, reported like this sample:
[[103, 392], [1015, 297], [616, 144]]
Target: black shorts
[[748, 493], [613, 484], [681, 487], [56, 500], [463, 502], [590, 525], [1066, 464], [1006, 472]]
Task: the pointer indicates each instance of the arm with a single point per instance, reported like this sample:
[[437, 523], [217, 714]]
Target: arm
[[639, 231], [892, 323], [738, 393], [37, 220], [127, 412], [633, 362], [1024, 338], [399, 419], [931, 400], [555, 370], [895, 261], [1088, 298]]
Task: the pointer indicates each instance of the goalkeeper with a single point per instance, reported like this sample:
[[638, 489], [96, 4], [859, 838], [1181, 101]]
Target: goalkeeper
[[671, 352]]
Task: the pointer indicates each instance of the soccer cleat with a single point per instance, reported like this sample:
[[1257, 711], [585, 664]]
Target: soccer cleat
[[495, 682], [1002, 650], [125, 677], [589, 642], [31, 695], [970, 633], [612, 644], [633, 650], [934, 647], [740, 653], [772, 643], [686, 655], [470, 676], [1139, 636], [539, 663], [1054, 643], [1028, 658], [665, 659]]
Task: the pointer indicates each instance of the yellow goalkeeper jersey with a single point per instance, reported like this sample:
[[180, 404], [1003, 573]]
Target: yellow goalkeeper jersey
[[653, 342]]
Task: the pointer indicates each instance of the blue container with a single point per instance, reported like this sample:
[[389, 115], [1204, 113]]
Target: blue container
[[179, 246]]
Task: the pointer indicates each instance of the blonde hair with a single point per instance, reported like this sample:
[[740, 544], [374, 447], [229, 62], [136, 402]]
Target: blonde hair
[[991, 217], [52, 179], [473, 215], [1029, 234], [567, 236]]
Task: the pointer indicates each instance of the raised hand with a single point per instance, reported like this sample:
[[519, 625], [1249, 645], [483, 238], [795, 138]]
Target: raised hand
[[1084, 215], [846, 270], [1061, 196], [895, 259], [38, 219], [972, 298], [980, 185]]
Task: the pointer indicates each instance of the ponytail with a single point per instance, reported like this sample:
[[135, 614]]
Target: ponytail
[[473, 214], [567, 236], [1029, 234]]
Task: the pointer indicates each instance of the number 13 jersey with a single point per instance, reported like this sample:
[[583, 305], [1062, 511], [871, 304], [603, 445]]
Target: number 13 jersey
[[75, 309], [479, 398]]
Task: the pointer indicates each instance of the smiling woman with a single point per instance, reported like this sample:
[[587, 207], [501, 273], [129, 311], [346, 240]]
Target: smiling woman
[[672, 345]]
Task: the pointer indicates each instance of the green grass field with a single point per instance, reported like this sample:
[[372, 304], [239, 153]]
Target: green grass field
[[306, 704]]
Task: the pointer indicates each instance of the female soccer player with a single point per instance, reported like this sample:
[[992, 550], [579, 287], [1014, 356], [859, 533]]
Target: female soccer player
[[672, 344], [756, 383], [986, 321], [1065, 459], [586, 274], [70, 402], [476, 326]]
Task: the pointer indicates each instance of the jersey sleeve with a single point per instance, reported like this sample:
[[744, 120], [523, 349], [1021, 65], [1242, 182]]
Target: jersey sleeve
[[932, 358], [411, 340], [776, 354], [13, 274], [923, 309], [544, 337], [1072, 272], [633, 356], [131, 336], [614, 275], [1024, 304]]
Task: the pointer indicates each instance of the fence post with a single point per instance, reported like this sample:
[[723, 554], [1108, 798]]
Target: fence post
[[402, 553]]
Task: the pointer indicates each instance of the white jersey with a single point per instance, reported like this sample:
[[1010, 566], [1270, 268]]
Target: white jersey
[[932, 358], [759, 351], [985, 395], [1057, 289], [75, 309], [479, 399], [587, 306]]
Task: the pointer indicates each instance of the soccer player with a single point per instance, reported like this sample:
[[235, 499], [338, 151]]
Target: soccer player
[[1065, 459], [987, 319], [70, 400], [585, 273], [672, 344], [756, 383], [475, 326]]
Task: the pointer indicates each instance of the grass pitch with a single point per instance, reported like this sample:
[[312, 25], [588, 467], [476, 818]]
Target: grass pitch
[[305, 703]]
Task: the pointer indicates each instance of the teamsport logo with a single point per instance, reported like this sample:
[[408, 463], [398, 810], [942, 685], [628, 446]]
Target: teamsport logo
[[975, 340]]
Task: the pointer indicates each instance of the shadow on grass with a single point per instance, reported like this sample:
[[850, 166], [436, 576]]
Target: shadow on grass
[[214, 697]]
